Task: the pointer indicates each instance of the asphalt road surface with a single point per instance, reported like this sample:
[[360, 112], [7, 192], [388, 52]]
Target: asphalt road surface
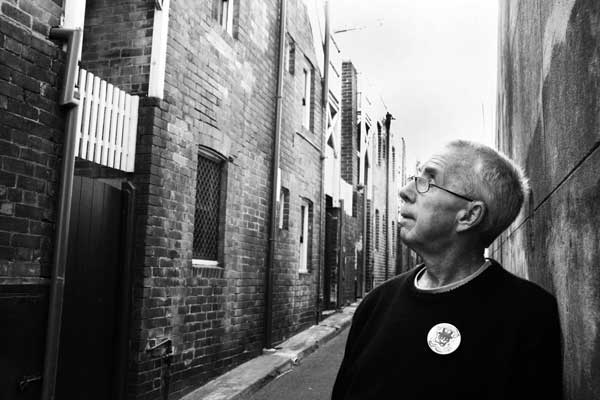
[[312, 379]]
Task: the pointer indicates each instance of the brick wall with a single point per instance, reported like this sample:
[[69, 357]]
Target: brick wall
[[31, 131], [384, 258], [117, 42], [350, 165]]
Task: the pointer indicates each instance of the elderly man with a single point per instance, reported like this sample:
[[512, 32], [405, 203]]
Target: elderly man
[[457, 326]]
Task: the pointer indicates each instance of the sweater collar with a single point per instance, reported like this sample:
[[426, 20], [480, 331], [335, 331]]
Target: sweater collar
[[451, 286]]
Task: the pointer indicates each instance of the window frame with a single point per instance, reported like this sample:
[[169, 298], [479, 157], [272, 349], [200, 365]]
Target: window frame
[[216, 157], [225, 13], [305, 237], [307, 94]]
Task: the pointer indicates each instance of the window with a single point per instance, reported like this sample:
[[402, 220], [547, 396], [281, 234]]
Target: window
[[376, 229], [306, 213], [291, 55], [307, 96], [208, 199], [284, 208], [225, 11]]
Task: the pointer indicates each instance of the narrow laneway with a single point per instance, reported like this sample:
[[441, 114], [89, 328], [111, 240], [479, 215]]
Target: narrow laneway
[[312, 379]]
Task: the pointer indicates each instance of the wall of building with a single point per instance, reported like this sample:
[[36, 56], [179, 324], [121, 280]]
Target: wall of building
[[31, 129], [548, 121], [385, 203], [350, 137], [31, 136], [117, 42], [220, 94]]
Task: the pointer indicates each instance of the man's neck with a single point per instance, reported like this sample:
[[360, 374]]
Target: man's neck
[[448, 268]]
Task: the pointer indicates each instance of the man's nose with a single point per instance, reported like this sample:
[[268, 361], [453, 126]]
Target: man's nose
[[407, 193]]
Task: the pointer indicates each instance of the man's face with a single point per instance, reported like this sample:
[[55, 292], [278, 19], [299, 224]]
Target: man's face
[[428, 220]]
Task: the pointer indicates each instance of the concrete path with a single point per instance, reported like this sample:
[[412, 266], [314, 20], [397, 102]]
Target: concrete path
[[243, 381], [312, 379]]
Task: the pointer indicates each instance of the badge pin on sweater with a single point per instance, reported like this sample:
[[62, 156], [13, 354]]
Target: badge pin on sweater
[[443, 338]]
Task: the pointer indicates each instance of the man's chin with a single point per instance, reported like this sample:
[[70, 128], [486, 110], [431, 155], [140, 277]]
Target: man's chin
[[405, 237]]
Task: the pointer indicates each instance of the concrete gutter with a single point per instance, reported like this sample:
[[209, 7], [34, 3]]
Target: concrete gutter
[[243, 381]]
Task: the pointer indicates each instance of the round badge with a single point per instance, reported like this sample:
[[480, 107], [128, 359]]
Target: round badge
[[443, 338]]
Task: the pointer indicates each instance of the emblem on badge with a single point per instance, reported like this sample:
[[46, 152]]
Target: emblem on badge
[[443, 338]]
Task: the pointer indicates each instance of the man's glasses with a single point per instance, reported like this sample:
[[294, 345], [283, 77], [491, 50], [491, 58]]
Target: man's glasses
[[423, 184]]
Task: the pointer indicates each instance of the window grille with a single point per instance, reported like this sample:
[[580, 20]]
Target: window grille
[[206, 219]]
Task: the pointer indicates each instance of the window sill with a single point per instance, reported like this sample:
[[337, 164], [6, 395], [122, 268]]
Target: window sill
[[204, 263], [206, 269]]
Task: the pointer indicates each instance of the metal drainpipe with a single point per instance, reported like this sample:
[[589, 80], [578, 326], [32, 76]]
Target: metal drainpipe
[[323, 133], [268, 322], [69, 97]]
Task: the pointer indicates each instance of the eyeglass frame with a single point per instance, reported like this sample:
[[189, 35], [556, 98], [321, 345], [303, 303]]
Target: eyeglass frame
[[429, 184]]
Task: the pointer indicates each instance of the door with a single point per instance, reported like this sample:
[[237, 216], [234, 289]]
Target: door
[[332, 252], [96, 281]]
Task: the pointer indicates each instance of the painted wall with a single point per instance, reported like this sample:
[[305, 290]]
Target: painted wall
[[548, 120]]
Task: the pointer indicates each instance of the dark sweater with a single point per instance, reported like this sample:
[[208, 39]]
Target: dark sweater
[[509, 349]]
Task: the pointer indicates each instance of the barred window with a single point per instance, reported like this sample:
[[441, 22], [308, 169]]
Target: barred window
[[208, 199]]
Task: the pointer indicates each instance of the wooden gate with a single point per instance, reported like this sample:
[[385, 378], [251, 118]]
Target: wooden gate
[[93, 342]]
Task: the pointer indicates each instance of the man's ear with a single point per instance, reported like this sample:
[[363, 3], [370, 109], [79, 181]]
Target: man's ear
[[470, 216]]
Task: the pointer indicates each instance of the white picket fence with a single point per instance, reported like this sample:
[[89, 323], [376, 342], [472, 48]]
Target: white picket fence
[[106, 123]]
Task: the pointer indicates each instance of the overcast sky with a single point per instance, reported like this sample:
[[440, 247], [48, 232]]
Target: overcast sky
[[434, 62]]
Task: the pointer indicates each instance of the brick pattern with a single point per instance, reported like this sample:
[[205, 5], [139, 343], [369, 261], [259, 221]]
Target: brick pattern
[[117, 42], [384, 259], [349, 144], [31, 131]]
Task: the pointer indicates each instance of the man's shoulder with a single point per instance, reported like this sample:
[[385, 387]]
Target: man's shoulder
[[389, 288], [525, 291]]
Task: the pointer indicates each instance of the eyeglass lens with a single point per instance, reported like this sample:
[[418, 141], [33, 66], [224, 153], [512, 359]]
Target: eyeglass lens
[[422, 184]]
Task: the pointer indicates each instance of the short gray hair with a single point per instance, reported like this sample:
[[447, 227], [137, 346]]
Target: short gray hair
[[495, 179]]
